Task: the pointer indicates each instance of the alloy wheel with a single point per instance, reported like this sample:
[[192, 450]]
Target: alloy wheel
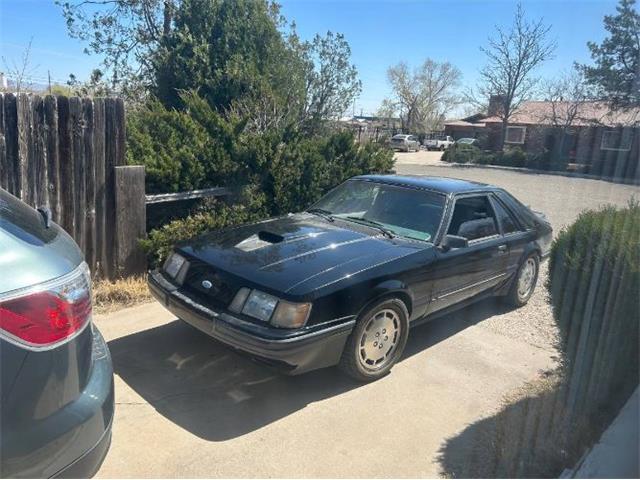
[[379, 340], [527, 278]]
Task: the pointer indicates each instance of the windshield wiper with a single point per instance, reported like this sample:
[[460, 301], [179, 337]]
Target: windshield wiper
[[385, 231], [326, 214]]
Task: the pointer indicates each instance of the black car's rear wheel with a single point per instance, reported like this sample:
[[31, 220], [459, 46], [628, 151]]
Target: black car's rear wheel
[[525, 281], [377, 341]]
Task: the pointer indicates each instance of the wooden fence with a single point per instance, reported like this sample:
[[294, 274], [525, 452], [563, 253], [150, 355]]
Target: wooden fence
[[62, 153]]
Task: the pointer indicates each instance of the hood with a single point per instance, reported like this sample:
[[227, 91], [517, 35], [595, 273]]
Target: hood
[[296, 253]]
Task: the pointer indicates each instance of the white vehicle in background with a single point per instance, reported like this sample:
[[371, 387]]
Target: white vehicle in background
[[439, 143], [405, 143], [468, 141]]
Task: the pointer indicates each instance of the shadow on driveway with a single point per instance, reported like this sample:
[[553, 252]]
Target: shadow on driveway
[[217, 394]]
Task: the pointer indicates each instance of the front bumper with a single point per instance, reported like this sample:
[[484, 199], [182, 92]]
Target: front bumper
[[291, 352]]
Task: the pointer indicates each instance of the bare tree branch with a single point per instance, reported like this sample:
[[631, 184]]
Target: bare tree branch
[[423, 97], [512, 57], [21, 71]]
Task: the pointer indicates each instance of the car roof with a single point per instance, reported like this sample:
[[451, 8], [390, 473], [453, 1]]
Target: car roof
[[439, 184]]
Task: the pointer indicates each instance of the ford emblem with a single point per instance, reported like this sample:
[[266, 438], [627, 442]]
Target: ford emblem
[[207, 284]]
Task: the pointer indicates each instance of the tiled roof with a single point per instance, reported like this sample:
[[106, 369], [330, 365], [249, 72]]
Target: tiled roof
[[589, 113], [462, 123]]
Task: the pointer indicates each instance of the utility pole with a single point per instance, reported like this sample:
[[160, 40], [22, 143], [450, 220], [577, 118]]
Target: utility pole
[[49, 78]]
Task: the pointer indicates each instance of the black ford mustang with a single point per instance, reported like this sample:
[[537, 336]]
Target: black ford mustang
[[342, 282]]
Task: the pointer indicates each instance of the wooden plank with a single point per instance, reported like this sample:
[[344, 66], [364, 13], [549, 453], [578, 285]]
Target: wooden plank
[[110, 203], [24, 191], [130, 219], [120, 136], [65, 156], [173, 197], [100, 194], [53, 160], [10, 114], [90, 177], [37, 156], [79, 178], [4, 168]]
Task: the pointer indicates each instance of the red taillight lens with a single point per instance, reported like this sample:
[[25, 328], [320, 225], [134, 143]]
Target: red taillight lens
[[47, 314]]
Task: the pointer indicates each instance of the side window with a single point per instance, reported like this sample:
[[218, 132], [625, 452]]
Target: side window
[[522, 212], [509, 225], [473, 218]]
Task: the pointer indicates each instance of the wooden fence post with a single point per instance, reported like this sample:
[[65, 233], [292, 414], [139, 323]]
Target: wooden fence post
[[131, 219]]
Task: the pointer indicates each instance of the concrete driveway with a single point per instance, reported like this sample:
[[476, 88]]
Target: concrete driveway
[[189, 407]]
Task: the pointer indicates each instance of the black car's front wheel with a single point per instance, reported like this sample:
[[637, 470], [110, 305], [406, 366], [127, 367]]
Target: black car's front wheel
[[377, 341], [525, 281]]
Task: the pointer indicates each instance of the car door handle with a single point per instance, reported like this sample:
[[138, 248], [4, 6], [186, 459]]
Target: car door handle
[[502, 249]]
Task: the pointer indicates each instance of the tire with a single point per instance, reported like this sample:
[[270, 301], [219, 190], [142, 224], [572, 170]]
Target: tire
[[442, 148], [370, 339], [521, 289]]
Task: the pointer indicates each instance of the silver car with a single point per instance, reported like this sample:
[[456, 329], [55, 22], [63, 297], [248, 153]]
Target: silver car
[[405, 143], [56, 377]]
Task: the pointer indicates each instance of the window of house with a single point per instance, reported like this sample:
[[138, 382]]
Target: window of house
[[515, 135], [473, 218], [616, 140]]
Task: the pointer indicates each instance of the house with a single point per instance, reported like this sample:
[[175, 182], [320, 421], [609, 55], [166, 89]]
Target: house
[[584, 136]]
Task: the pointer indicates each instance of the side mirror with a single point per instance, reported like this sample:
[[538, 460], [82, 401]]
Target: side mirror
[[453, 241]]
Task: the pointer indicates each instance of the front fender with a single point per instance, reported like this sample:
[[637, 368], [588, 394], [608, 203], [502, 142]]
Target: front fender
[[390, 288]]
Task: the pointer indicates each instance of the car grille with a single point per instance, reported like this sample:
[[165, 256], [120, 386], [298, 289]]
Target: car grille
[[208, 286]]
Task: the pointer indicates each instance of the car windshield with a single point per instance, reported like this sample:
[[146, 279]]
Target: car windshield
[[403, 211]]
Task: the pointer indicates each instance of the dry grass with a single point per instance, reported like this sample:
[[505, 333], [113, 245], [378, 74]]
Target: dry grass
[[109, 296]]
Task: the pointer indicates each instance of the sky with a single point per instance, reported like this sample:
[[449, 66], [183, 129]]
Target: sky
[[380, 33]]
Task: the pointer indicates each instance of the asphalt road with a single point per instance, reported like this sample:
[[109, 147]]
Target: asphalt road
[[189, 407]]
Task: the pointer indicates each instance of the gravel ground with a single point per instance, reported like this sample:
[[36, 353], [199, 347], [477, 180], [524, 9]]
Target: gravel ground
[[560, 198]]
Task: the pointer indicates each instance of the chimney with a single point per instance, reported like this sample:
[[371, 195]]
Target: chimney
[[495, 105]]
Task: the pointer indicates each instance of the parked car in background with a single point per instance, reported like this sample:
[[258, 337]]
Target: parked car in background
[[341, 283], [468, 141], [56, 377], [441, 143], [405, 143]]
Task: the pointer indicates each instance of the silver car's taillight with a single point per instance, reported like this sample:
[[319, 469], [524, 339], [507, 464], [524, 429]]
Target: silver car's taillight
[[45, 315]]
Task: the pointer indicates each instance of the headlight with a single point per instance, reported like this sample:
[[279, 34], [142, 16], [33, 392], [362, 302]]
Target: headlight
[[263, 306], [260, 305], [291, 315], [173, 264]]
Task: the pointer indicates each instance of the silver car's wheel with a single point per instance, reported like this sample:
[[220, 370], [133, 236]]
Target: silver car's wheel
[[527, 278], [379, 340]]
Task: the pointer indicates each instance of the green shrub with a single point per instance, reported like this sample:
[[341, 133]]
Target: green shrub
[[513, 157], [179, 151], [214, 214], [461, 153], [594, 280]]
